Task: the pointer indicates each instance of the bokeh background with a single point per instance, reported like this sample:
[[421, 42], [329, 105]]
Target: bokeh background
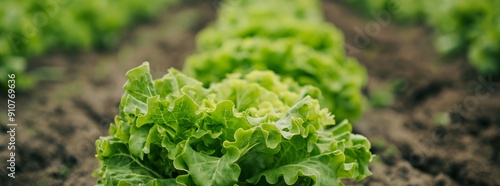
[[433, 95]]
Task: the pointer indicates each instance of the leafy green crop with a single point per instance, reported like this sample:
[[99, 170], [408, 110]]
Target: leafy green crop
[[245, 130], [462, 26], [244, 127], [339, 79], [300, 20], [295, 42], [29, 28]]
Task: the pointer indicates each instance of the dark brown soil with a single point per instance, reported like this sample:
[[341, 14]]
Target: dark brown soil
[[60, 121]]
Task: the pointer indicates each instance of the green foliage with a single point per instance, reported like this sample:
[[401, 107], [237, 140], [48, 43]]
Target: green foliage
[[341, 88], [461, 26], [32, 27], [297, 19], [294, 42], [244, 127], [381, 98], [15, 65], [245, 130]]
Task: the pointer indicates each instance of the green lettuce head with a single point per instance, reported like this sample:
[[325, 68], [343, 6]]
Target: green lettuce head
[[340, 78], [295, 42], [245, 130]]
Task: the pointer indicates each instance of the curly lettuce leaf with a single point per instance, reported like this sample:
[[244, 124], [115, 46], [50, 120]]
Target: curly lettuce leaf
[[319, 168], [122, 168]]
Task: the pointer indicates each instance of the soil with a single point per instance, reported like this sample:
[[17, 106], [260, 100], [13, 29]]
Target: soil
[[60, 121]]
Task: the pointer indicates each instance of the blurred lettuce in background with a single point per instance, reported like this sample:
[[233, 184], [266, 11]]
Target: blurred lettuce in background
[[32, 27], [461, 26], [295, 42], [16, 65]]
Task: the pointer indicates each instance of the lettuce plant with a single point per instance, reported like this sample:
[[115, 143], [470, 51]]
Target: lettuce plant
[[244, 130], [339, 78], [300, 20], [295, 42]]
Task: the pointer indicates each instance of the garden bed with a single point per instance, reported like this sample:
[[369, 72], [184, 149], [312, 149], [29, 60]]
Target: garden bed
[[60, 121]]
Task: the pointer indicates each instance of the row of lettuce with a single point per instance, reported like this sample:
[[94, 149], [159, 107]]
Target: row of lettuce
[[461, 26], [33, 27], [251, 107]]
